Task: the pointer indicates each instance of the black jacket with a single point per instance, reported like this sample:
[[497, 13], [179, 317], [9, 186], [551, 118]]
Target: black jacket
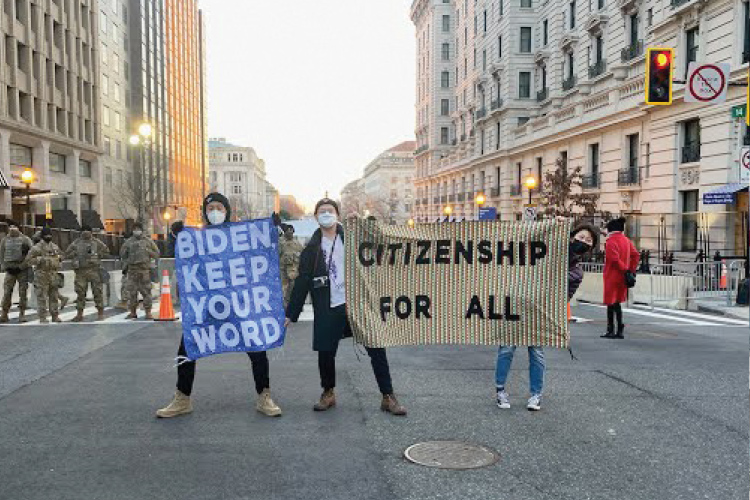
[[329, 325]]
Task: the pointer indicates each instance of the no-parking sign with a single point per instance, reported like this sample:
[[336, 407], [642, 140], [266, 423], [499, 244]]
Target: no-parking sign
[[707, 83], [745, 164]]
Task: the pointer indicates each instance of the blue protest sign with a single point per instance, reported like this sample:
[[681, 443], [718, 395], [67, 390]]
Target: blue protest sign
[[230, 288], [489, 213]]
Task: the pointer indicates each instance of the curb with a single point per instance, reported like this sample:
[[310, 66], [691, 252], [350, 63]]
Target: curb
[[721, 312]]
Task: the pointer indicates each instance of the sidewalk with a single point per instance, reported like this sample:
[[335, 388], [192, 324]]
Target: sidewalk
[[716, 307]]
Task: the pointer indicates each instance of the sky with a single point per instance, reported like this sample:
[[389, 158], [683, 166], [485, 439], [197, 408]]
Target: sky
[[318, 89]]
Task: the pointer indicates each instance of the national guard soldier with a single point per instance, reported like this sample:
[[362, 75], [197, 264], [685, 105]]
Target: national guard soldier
[[61, 299], [86, 253], [137, 254], [13, 250], [46, 258], [289, 252]]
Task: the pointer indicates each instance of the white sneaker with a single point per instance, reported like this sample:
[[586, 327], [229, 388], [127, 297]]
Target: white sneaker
[[503, 401], [535, 403]]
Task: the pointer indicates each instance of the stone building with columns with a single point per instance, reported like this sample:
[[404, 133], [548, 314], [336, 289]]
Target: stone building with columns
[[49, 111], [505, 89]]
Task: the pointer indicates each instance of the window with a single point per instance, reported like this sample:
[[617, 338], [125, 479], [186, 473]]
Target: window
[[103, 22], [543, 77], [105, 85], [598, 49], [572, 15], [539, 173], [108, 176], [105, 116], [104, 53], [446, 23], [118, 124], [634, 22], [116, 63], [564, 159], [499, 47], [526, 4], [118, 96], [484, 60], [485, 20], [691, 47], [84, 168], [87, 202], [445, 107], [444, 135], [59, 203], [571, 65], [20, 156], [594, 160], [445, 79], [600, 4], [446, 52], [633, 148], [501, 7], [523, 120], [525, 40], [746, 51], [497, 138], [689, 202], [56, 163], [236, 189], [524, 85], [545, 32], [691, 141]]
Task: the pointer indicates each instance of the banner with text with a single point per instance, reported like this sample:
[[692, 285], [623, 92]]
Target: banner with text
[[230, 288], [477, 283]]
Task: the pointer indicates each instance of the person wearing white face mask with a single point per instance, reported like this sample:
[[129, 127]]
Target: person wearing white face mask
[[216, 211], [321, 274]]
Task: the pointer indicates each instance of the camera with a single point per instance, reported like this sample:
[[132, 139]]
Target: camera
[[320, 282]]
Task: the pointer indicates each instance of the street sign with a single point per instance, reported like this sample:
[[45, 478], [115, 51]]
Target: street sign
[[489, 213], [718, 198], [739, 111], [529, 213], [707, 83], [745, 164]]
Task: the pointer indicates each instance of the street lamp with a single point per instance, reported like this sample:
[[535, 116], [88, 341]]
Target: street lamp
[[410, 222], [145, 130], [448, 210], [530, 185], [141, 140], [27, 177], [480, 200]]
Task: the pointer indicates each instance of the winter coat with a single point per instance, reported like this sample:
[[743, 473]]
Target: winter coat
[[137, 253], [575, 275], [13, 251], [620, 255], [329, 326], [86, 253]]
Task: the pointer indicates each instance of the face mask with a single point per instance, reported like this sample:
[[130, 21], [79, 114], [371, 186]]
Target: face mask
[[216, 217], [327, 220], [47, 238], [137, 233], [579, 247]]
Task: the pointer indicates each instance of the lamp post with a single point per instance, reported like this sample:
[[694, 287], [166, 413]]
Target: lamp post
[[480, 201], [27, 177], [530, 185], [448, 210], [410, 223], [141, 140]]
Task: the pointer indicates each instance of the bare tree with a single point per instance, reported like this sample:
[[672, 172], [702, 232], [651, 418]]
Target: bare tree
[[563, 193], [133, 197], [242, 207]]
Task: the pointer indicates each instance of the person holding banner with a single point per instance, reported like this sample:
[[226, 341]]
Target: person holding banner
[[321, 274], [583, 239], [217, 211]]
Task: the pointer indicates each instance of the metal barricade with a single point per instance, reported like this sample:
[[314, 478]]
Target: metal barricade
[[698, 281], [592, 267]]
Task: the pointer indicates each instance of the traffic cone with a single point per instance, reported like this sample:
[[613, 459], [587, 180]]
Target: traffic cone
[[723, 279], [166, 310], [570, 315]]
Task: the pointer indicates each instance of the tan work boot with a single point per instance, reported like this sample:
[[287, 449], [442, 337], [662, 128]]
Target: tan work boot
[[22, 316], [390, 405], [266, 406], [327, 401], [180, 405], [63, 301], [122, 305], [148, 314], [133, 314], [56, 318], [100, 315], [4, 317], [79, 317]]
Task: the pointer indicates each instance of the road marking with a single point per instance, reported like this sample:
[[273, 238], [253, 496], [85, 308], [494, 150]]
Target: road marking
[[690, 314], [683, 320]]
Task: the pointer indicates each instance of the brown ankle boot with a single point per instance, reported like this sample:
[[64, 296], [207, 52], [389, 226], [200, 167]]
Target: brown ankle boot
[[327, 401], [79, 317], [133, 314], [390, 405]]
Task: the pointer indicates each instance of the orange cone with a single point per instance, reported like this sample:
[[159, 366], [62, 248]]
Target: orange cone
[[570, 315], [723, 279], [166, 310]]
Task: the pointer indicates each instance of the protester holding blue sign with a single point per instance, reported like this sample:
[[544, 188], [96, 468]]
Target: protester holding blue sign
[[214, 312], [321, 274]]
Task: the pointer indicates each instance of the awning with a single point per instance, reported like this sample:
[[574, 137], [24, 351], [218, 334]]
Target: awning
[[724, 194], [3, 180]]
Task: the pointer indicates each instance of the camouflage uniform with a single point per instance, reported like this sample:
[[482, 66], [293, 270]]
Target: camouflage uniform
[[86, 255], [289, 252], [137, 254], [13, 251], [46, 258]]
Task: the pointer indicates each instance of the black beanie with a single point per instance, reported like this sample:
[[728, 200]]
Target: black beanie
[[616, 224], [212, 197], [46, 231]]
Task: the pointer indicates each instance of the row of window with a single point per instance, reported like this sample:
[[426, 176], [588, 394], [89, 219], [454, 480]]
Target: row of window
[[22, 157]]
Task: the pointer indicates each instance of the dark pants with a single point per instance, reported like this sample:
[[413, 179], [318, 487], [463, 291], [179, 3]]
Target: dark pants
[[378, 360], [258, 360], [614, 311]]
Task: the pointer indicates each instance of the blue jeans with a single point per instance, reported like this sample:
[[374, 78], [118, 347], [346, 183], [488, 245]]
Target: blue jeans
[[536, 368]]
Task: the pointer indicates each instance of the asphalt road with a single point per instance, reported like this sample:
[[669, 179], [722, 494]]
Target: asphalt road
[[662, 414]]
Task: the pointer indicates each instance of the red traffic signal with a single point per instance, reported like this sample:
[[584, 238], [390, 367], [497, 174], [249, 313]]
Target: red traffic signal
[[659, 69]]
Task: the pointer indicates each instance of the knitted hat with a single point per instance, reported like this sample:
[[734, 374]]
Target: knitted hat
[[212, 197]]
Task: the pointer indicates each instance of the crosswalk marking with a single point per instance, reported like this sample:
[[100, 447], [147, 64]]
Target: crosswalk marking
[[690, 314], [697, 320]]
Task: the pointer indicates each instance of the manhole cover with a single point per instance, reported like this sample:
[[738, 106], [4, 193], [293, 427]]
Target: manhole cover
[[451, 455]]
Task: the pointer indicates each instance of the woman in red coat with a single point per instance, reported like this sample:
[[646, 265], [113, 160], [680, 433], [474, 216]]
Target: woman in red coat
[[620, 255]]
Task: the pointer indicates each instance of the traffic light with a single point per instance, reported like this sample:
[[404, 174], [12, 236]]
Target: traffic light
[[659, 69]]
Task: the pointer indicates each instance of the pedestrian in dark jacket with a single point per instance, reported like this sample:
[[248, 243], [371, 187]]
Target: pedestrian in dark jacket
[[583, 239], [620, 255], [174, 230], [217, 211], [321, 274]]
